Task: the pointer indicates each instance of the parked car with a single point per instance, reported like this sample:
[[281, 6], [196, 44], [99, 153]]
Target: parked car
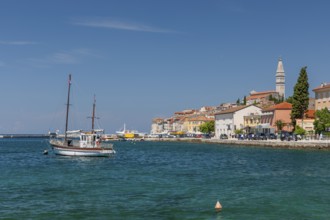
[[261, 136], [240, 136], [251, 136], [287, 136], [207, 136], [272, 136], [223, 136]]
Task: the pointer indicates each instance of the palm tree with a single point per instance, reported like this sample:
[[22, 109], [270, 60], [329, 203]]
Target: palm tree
[[279, 124]]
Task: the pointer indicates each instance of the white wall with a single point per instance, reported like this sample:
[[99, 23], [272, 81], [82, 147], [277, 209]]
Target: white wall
[[233, 120], [221, 124], [239, 115]]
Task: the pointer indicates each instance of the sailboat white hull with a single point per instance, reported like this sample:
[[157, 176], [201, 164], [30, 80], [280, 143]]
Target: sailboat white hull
[[60, 149], [83, 152]]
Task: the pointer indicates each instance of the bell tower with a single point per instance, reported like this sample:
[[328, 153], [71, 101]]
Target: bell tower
[[280, 79]]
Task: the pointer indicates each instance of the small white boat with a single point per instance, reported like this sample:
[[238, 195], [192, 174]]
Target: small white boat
[[89, 143]]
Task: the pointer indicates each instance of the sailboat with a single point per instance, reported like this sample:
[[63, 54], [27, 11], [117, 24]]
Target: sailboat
[[89, 143]]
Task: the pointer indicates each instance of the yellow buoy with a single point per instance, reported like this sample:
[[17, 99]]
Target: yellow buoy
[[218, 206]]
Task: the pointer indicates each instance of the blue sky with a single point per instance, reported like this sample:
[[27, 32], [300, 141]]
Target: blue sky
[[145, 59]]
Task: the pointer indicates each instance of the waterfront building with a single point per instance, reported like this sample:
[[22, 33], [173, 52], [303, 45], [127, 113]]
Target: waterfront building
[[252, 120], [308, 122], [157, 126], [177, 124], [277, 112], [227, 121], [311, 103], [322, 96], [191, 124], [252, 124], [187, 120]]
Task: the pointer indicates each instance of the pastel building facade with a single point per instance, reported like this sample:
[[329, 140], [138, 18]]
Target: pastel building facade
[[192, 124], [322, 96], [277, 112], [308, 122], [227, 121]]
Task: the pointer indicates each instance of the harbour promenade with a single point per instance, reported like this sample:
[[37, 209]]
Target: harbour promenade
[[300, 144]]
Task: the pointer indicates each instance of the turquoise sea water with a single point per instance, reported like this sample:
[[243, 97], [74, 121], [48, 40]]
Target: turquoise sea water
[[150, 180]]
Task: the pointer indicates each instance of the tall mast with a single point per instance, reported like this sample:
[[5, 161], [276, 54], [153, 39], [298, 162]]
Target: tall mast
[[67, 109], [93, 115]]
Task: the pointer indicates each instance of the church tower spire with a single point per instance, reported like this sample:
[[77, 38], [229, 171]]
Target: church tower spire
[[280, 79]]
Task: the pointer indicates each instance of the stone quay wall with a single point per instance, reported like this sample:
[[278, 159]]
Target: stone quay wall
[[301, 144]]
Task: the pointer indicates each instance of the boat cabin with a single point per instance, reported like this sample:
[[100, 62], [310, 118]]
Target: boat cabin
[[88, 140]]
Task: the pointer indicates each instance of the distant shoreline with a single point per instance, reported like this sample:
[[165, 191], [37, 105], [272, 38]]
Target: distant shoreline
[[24, 136], [301, 144]]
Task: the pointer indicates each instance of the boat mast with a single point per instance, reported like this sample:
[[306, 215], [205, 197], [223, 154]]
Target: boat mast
[[93, 115], [67, 109]]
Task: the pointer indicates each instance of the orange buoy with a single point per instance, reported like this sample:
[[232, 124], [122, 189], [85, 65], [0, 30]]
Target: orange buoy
[[218, 206]]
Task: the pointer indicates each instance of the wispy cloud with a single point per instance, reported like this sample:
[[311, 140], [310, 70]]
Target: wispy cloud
[[63, 57], [17, 42], [115, 24]]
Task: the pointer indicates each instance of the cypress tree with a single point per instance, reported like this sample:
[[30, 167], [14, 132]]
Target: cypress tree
[[238, 102], [300, 98]]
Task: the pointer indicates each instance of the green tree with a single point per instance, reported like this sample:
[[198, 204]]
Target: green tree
[[276, 100], [289, 99], [279, 100], [279, 125], [207, 127], [244, 100], [270, 98], [322, 122], [299, 130], [238, 102], [239, 131], [300, 98]]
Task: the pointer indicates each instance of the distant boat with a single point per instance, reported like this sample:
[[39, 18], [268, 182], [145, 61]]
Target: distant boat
[[127, 133], [89, 143]]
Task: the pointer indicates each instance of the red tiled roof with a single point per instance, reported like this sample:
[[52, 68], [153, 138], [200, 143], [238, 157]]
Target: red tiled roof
[[263, 92], [200, 118], [186, 112], [232, 110], [258, 95], [310, 113], [281, 106]]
